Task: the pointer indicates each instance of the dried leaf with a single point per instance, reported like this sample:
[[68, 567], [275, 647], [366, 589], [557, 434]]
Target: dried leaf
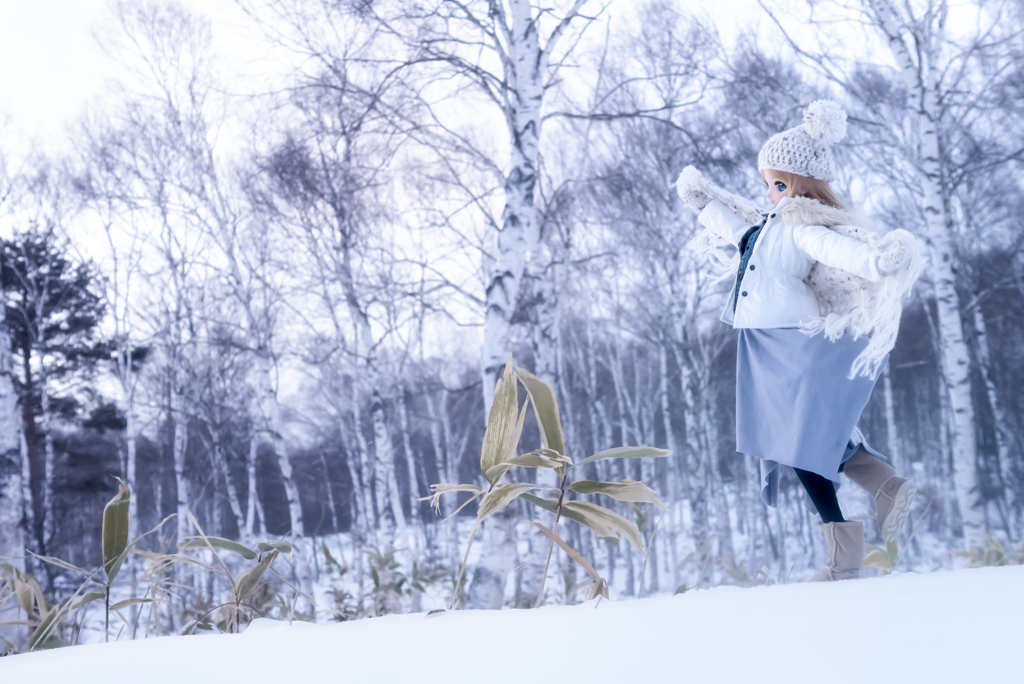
[[501, 422], [29, 592], [119, 561], [514, 442], [623, 490], [600, 528], [282, 546], [115, 531], [443, 488], [44, 630], [545, 503], [213, 549], [88, 598], [501, 496], [627, 452], [249, 580], [242, 550], [545, 407], [569, 550], [129, 602], [61, 564], [599, 516], [534, 459]]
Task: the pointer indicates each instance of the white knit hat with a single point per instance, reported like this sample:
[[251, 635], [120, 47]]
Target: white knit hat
[[807, 149]]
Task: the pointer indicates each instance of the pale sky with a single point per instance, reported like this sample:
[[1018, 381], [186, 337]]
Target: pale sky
[[49, 64], [51, 67]]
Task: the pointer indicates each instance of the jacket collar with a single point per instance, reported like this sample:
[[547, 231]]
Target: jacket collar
[[807, 211]]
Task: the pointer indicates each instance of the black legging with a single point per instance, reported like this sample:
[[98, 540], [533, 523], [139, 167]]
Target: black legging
[[823, 495]]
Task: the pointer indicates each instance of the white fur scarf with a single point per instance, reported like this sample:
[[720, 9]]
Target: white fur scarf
[[848, 304]]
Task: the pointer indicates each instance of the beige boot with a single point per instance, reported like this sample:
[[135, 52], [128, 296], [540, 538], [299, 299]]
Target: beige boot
[[845, 551], [893, 494]]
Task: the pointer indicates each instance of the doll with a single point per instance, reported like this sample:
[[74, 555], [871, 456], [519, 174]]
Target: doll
[[816, 302]]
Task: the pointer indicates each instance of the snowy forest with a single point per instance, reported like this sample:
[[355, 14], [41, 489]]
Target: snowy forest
[[277, 313]]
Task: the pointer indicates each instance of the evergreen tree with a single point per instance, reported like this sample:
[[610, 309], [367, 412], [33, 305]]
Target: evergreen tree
[[53, 314]]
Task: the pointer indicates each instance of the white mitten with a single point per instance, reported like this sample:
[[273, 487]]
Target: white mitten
[[893, 253], [693, 189]]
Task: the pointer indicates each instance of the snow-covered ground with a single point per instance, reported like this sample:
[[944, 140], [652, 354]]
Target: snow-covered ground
[[963, 626]]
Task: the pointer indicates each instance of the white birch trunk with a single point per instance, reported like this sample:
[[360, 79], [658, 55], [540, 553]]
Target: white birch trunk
[[330, 493], [666, 403], [48, 463], [12, 505], [233, 500], [1002, 434], [446, 544], [921, 78], [410, 461], [543, 274], [178, 442], [253, 525], [780, 543], [389, 497], [754, 506], [364, 487], [697, 471], [598, 420], [526, 75], [547, 367], [455, 447], [627, 410], [518, 236], [131, 467], [439, 451], [490, 575], [958, 381], [720, 499], [890, 420], [158, 490], [270, 421]]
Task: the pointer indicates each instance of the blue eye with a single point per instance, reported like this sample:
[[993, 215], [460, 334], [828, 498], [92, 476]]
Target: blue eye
[[781, 186]]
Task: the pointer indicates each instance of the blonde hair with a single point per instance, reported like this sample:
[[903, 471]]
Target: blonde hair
[[805, 186]]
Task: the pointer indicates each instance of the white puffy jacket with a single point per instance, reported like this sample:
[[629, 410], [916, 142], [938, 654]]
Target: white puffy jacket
[[773, 293]]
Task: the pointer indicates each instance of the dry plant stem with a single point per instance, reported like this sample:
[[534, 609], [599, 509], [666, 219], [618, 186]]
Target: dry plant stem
[[465, 559], [704, 569], [650, 543], [551, 545]]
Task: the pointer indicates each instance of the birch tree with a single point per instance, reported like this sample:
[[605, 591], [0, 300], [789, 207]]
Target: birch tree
[[119, 249], [12, 513], [169, 51], [917, 45]]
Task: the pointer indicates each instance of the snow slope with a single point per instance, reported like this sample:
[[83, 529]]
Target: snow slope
[[958, 626]]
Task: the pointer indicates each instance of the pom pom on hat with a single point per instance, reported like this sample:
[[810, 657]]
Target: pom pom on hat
[[807, 149], [825, 122]]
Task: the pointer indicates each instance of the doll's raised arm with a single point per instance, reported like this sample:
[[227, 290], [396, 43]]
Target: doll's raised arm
[[697, 192], [838, 251], [726, 225]]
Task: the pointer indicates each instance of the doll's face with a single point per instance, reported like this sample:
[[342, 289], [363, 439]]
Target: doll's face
[[777, 188]]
